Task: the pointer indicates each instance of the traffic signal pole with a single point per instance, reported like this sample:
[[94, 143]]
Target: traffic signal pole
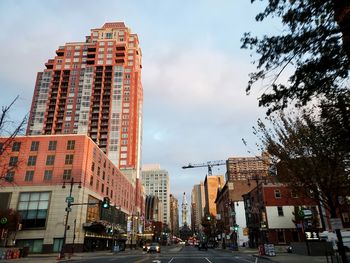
[[68, 209]]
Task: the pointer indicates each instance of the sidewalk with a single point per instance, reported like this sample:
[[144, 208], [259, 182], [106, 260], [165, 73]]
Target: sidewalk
[[284, 257], [52, 257]]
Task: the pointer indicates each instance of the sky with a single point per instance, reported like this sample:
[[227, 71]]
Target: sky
[[194, 73]]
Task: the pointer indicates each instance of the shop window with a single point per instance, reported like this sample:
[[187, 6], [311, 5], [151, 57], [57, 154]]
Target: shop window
[[33, 208]]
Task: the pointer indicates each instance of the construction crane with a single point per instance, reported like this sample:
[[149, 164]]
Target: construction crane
[[208, 164]]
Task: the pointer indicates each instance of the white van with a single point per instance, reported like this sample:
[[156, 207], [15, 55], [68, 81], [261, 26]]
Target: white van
[[331, 236]]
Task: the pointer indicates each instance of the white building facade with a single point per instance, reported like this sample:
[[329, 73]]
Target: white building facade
[[156, 182]]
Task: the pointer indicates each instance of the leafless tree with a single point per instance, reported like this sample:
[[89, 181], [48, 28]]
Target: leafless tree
[[9, 129]]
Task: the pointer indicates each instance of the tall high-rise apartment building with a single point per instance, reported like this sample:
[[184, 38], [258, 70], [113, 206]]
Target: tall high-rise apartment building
[[94, 87], [156, 182], [197, 206]]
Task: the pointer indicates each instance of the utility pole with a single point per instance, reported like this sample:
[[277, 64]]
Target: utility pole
[[69, 200]]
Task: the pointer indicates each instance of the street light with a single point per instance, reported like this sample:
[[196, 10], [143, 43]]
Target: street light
[[69, 200]]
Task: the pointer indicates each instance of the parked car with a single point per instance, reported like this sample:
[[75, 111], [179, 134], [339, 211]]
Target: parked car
[[153, 247]]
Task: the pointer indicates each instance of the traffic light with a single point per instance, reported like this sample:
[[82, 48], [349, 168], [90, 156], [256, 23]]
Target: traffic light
[[209, 218], [105, 203], [235, 228]]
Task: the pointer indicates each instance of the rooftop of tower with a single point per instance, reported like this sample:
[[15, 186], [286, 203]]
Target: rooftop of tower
[[114, 25]]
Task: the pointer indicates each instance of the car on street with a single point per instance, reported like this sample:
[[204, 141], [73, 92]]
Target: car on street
[[145, 245], [153, 247]]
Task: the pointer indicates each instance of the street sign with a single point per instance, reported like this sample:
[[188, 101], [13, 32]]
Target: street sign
[[69, 199], [68, 209], [305, 213]]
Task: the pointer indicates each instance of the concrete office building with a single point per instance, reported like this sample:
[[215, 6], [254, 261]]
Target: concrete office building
[[156, 182]]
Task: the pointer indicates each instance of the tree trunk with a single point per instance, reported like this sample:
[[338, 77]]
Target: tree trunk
[[341, 248], [342, 17]]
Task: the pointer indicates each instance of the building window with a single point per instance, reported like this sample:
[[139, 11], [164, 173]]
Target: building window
[[69, 159], [48, 175], [10, 175], [70, 145], [34, 147], [13, 161], [67, 174], [29, 176], [277, 194], [33, 209], [294, 194], [93, 166], [52, 145], [16, 146], [31, 161], [280, 211], [50, 160]]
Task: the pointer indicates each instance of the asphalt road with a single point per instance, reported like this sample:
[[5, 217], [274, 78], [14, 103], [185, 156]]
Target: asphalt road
[[186, 255]]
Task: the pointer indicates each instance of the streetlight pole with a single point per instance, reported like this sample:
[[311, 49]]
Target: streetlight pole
[[69, 201]]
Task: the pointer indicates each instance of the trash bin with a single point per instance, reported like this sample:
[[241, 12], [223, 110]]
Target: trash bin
[[25, 252]]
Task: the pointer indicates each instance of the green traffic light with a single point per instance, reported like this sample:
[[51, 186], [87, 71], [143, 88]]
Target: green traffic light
[[105, 203]]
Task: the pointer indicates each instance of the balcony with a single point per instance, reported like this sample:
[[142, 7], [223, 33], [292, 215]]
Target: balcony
[[120, 48], [91, 55], [60, 52], [90, 61], [91, 49], [49, 64]]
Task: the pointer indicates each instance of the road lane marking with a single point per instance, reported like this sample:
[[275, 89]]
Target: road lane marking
[[171, 260], [141, 260], [208, 260], [246, 260]]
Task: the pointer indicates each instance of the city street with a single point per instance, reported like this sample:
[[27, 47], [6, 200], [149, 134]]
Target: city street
[[174, 255]]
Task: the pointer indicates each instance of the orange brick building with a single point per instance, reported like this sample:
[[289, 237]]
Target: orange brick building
[[94, 87], [35, 169]]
